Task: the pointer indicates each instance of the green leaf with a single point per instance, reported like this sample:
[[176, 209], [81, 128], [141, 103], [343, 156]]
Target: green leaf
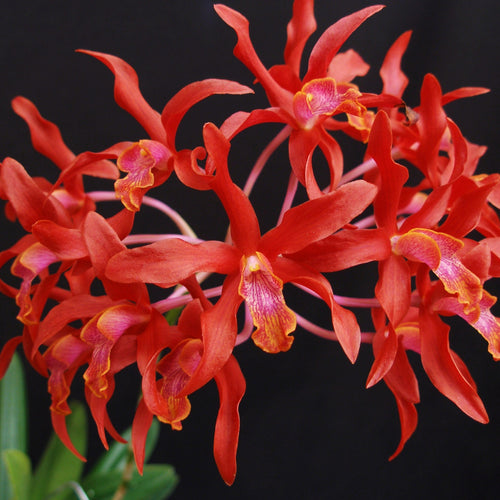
[[18, 466], [58, 465], [173, 315], [13, 417], [119, 453], [157, 483]]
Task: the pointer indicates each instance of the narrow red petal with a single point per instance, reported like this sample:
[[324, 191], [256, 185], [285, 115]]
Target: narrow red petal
[[333, 38], [190, 95], [231, 386], [442, 369], [395, 81], [245, 52], [128, 96], [299, 29], [45, 135]]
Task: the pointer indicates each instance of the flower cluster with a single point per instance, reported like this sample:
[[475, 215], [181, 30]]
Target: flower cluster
[[83, 281]]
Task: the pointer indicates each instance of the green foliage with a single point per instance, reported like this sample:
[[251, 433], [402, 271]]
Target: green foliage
[[58, 465], [58, 474], [13, 418]]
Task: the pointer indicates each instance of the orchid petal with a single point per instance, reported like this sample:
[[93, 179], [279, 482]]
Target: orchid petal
[[66, 243], [346, 66], [45, 135], [442, 369], [219, 327], [316, 219], [245, 231], [432, 124], [64, 313], [320, 98], [392, 175], [27, 266], [395, 81], [59, 426], [231, 386], [176, 368], [486, 324], [128, 96], [332, 39], [29, 201], [168, 262], [7, 353], [95, 164], [190, 95], [344, 321], [143, 419], [245, 52], [463, 92], [393, 289], [465, 212], [345, 249], [299, 29], [103, 243], [385, 347], [100, 415], [63, 359]]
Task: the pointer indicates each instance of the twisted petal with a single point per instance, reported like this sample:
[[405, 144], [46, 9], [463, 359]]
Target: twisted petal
[[190, 95], [176, 369], [245, 52], [45, 135], [63, 358], [395, 81], [27, 266], [446, 371], [129, 97], [392, 175]]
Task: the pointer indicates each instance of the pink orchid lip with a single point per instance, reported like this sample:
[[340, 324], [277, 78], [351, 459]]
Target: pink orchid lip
[[263, 293], [138, 161], [323, 97], [102, 332], [439, 252]]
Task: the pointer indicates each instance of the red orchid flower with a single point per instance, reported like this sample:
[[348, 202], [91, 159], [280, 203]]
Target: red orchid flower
[[307, 104], [411, 248], [166, 399], [254, 265], [149, 162], [111, 323]]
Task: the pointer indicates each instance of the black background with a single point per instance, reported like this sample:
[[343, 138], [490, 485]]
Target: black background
[[309, 428]]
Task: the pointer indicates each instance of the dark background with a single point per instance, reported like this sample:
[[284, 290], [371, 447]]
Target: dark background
[[309, 428]]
